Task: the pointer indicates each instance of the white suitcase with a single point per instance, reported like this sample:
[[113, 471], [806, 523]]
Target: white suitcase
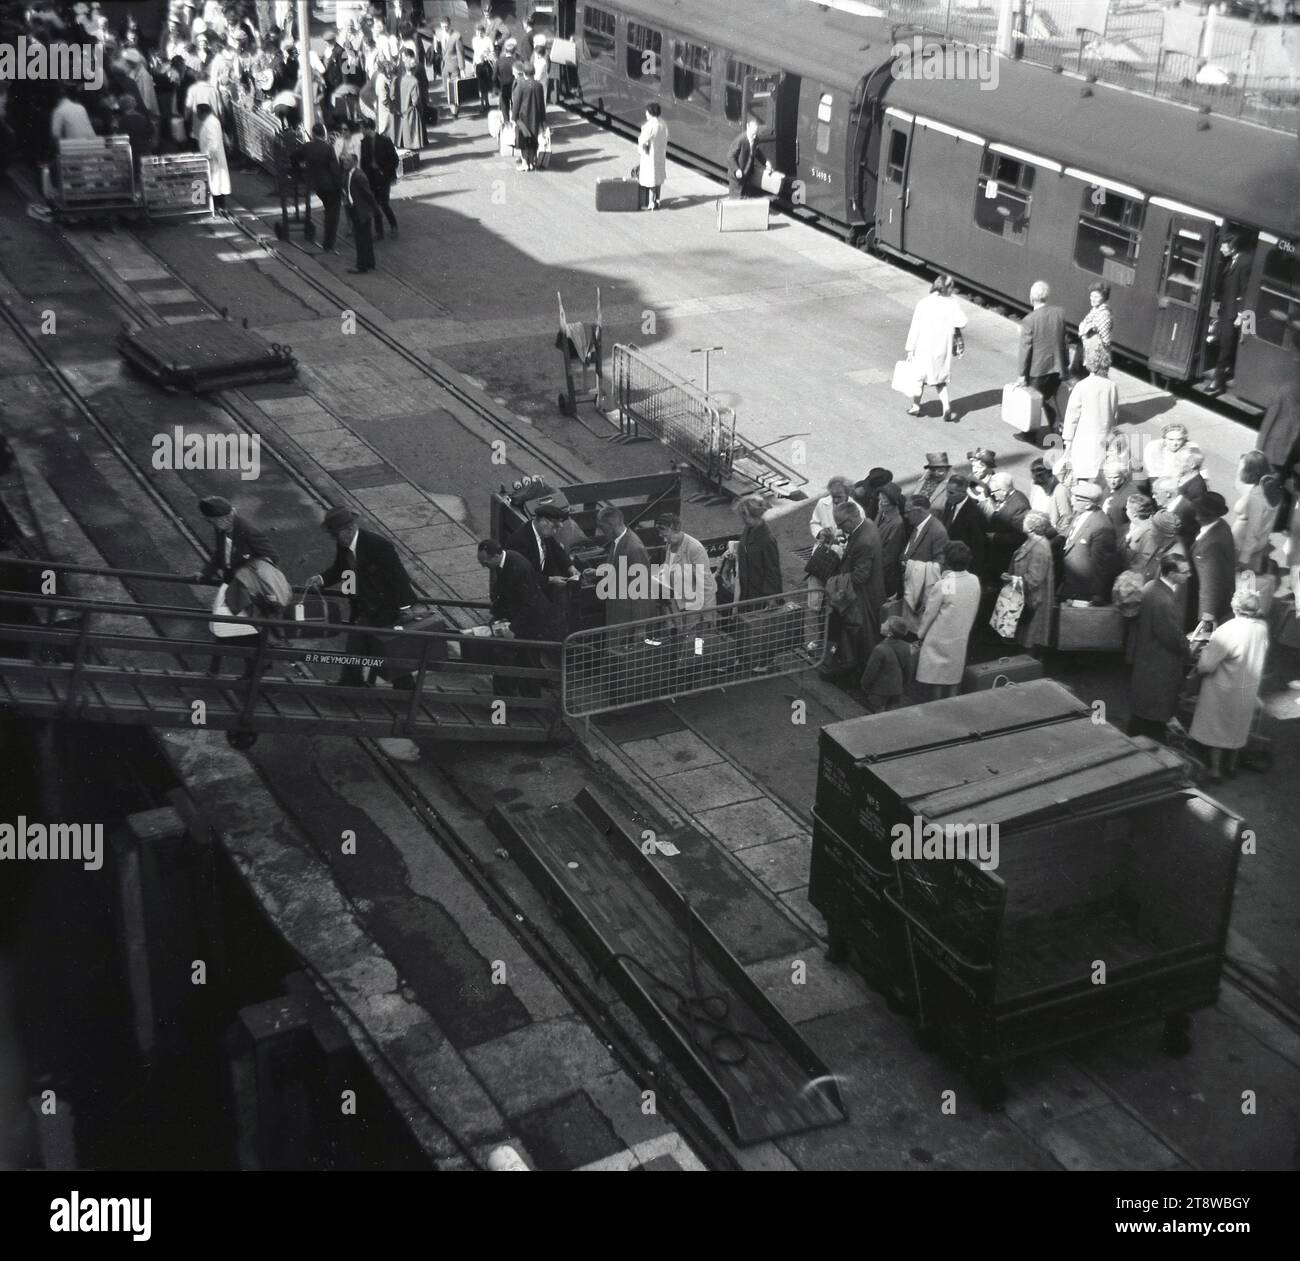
[[1022, 408], [742, 214], [506, 140], [773, 182], [495, 123]]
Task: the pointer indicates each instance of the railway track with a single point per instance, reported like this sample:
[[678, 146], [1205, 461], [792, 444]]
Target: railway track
[[636, 1054]]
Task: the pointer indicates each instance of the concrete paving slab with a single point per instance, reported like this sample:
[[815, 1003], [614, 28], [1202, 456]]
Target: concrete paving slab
[[429, 540], [781, 865], [1047, 1089], [568, 1133], [825, 988], [1104, 1138], [757, 822], [540, 1064], [797, 902], [297, 405], [677, 751], [336, 449], [707, 787], [620, 1100]]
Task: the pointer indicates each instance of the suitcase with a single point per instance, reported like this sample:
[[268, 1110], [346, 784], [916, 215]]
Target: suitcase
[[618, 194], [1089, 629], [408, 161], [544, 148], [704, 654], [463, 91], [765, 633], [1000, 673], [742, 214], [506, 140], [907, 378], [773, 183], [1022, 408], [563, 52], [496, 120]]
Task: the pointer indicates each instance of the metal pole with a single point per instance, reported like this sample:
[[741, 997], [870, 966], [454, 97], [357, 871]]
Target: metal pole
[[1005, 44], [304, 66], [706, 351]]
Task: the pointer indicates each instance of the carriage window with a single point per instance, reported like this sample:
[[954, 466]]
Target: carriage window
[[1184, 267], [824, 123], [1110, 232], [1003, 196], [692, 73], [897, 163], [734, 102], [598, 28], [645, 53], [1277, 314]]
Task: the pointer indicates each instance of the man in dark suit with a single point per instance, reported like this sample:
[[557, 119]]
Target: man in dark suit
[[1214, 557], [1005, 519], [742, 157], [519, 598], [364, 210], [963, 520], [1161, 652], [1119, 486], [928, 535], [1042, 349], [1090, 548], [380, 164], [505, 76], [855, 627], [367, 569], [1230, 294], [318, 166], [624, 586], [538, 543], [236, 541]]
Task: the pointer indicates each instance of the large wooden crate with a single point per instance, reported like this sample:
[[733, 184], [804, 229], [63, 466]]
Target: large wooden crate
[[1105, 901], [96, 174]]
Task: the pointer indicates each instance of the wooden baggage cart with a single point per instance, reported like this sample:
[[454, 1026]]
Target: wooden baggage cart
[[92, 177], [1104, 892]]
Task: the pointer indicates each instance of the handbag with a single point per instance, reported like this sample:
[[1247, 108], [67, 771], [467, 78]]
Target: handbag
[[1008, 609], [306, 616], [822, 563], [178, 130], [958, 343], [220, 608]]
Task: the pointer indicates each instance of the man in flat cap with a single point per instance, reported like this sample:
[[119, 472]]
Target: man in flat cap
[[368, 571], [1090, 548], [538, 543], [235, 541], [934, 485]]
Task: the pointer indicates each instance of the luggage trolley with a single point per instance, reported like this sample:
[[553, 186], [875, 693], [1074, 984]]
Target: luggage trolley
[[579, 343]]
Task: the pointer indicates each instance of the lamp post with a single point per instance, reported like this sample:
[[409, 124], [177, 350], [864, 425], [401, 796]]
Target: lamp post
[[706, 351]]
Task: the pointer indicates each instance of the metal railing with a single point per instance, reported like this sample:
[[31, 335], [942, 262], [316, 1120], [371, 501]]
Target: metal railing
[[654, 402], [681, 654], [1243, 69]]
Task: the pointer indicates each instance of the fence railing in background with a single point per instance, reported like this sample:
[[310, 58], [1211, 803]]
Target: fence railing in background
[[654, 402], [1236, 67], [681, 654]]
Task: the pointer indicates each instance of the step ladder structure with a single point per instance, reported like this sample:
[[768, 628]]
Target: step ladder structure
[[99, 660]]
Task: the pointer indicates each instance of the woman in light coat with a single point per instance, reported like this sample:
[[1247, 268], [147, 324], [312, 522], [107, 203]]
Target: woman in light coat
[[652, 144], [212, 144], [929, 342], [1254, 511], [386, 104], [1090, 416], [1232, 663], [1032, 564], [946, 624], [687, 581]]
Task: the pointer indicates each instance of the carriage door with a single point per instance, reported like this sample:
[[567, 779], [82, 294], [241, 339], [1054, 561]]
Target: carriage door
[[895, 151], [1181, 297]]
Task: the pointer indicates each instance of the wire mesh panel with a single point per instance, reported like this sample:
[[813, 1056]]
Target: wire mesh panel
[[656, 403], [680, 654]]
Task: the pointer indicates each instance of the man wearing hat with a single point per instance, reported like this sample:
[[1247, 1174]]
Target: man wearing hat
[[934, 483], [537, 542], [1214, 559], [235, 541], [1090, 548], [867, 491], [331, 75], [983, 464], [367, 568]]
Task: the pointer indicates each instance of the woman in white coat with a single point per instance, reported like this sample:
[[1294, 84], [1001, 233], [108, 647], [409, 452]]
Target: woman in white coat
[[213, 145], [652, 144], [687, 581], [935, 321], [950, 612], [1090, 416], [1255, 510], [1232, 664]]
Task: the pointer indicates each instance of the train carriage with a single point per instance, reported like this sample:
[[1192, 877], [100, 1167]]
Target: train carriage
[[1032, 175]]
